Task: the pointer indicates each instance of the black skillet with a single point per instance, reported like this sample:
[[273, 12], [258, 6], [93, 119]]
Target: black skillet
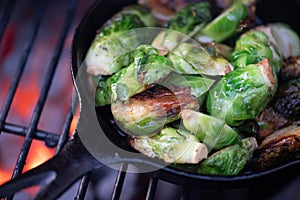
[[108, 145]]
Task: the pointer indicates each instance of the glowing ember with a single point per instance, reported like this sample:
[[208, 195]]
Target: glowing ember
[[74, 121], [26, 98], [4, 176], [38, 154]]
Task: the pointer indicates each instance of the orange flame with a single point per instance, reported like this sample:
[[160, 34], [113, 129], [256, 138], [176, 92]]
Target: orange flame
[[25, 98], [74, 121], [5, 175], [38, 154]]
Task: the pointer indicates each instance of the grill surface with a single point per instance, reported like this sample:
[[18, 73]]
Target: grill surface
[[68, 14]]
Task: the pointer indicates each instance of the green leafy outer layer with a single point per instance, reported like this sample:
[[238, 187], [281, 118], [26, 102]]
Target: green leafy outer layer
[[241, 94], [226, 24], [172, 146], [210, 130], [230, 160]]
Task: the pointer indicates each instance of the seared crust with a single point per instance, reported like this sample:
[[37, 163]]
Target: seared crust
[[281, 147], [271, 121], [157, 103], [266, 68], [165, 100], [290, 69]]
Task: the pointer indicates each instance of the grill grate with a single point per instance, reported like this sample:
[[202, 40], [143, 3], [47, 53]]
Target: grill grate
[[31, 132]]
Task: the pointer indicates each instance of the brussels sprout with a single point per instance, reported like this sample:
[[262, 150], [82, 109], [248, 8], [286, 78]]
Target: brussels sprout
[[148, 68], [172, 146], [104, 92], [254, 46], [167, 40], [226, 24], [107, 54], [242, 93], [278, 148], [186, 20], [191, 58], [142, 12], [211, 131], [250, 48], [230, 160], [113, 45], [199, 85], [182, 26], [286, 38], [146, 113]]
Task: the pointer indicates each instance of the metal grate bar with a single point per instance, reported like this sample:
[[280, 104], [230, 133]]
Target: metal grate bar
[[185, 193], [50, 139], [151, 188], [45, 89], [6, 16], [16, 79], [65, 132], [119, 182], [84, 183]]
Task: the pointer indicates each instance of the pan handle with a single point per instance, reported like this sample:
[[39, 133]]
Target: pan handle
[[57, 174]]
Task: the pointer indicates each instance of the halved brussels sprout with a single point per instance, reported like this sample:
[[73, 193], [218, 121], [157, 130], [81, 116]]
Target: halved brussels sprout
[[210, 130], [199, 85], [148, 68], [230, 160], [242, 93], [226, 24], [192, 58], [146, 113], [112, 48], [189, 17], [172, 146]]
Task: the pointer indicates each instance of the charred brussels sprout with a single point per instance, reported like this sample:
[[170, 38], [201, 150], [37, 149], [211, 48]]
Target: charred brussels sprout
[[281, 147], [146, 113], [230, 160], [242, 93], [211, 131], [199, 85], [172, 146], [287, 99], [189, 17]]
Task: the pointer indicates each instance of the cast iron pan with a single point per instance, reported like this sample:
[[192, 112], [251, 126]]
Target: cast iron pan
[[74, 160], [101, 12]]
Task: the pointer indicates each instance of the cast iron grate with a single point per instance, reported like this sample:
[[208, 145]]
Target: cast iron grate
[[32, 132]]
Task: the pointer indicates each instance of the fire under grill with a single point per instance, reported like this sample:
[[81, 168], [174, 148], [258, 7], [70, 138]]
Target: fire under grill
[[37, 112]]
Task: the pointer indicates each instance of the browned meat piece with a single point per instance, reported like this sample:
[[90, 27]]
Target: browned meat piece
[[281, 147]]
